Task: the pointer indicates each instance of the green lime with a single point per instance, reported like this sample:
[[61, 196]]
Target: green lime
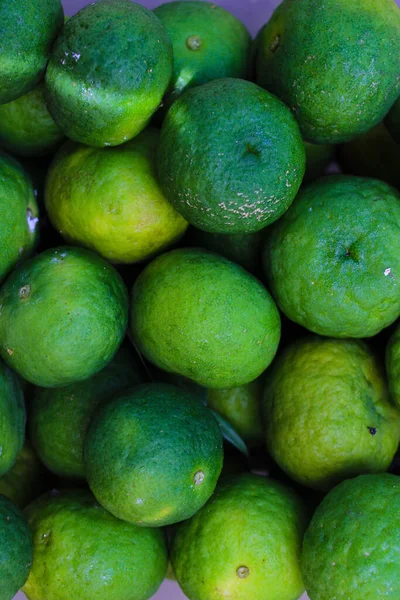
[[64, 315], [241, 406], [327, 412], [26, 127], [335, 64], [27, 32], [393, 365], [333, 259], [243, 544], [318, 157], [59, 417], [208, 43], [19, 214], [199, 315], [12, 418], [374, 154], [153, 455], [82, 552], [16, 550], [108, 200], [108, 72], [392, 121], [23, 482], [351, 548], [231, 158]]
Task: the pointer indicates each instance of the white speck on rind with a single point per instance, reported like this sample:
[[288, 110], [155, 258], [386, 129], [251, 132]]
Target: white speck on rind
[[139, 501], [387, 272]]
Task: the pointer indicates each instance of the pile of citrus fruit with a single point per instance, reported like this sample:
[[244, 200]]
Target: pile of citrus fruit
[[199, 326]]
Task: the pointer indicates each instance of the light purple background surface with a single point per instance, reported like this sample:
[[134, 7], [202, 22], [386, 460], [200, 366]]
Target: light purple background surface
[[254, 13]]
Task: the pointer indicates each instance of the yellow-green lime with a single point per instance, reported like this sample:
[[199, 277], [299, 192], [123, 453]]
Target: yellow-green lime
[[108, 200], [24, 481], [393, 365]]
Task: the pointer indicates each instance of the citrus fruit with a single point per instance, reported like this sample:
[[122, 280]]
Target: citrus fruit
[[351, 548], [393, 365], [241, 406], [26, 127], [23, 482], [108, 200], [199, 315], [12, 418], [82, 552], [333, 260], [19, 215], [208, 43], [64, 314], [374, 154], [335, 64], [231, 157], [59, 417], [16, 549], [327, 412], [108, 72], [243, 544], [393, 121], [27, 32], [318, 157], [153, 455]]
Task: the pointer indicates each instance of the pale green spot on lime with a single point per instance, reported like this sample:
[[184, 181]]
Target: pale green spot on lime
[[275, 43], [199, 477], [243, 572], [24, 291], [194, 42]]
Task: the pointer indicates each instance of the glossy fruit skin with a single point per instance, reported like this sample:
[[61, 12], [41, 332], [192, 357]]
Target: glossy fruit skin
[[392, 121], [393, 365], [27, 32], [333, 259], [351, 548], [59, 417], [327, 412], [108, 71], [81, 551], [174, 459], [19, 214], [231, 158], [335, 64], [12, 418], [108, 200], [244, 543], [64, 315], [199, 315]]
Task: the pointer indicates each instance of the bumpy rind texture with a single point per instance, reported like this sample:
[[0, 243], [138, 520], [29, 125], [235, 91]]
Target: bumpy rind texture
[[19, 214], [82, 552], [327, 412], [109, 200], [392, 121], [333, 260], [352, 546], [334, 63], [27, 32], [244, 543], [12, 418], [108, 72], [64, 314], [16, 551], [231, 158], [199, 315], [173, 461], [393, 365]]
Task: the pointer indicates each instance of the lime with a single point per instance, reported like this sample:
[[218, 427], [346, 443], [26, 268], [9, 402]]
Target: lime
[[19, 215], [27, 32], [108, 200], [393, 120], [26, 127], [318, 157], [393, 365], [351, 548], [208, 43], [82, 552], [108, 72], [333, 260], [23, 482], [153, 455], [64, 314], [199, 315], [335, 64], [16, 549], [231, 157], [243, 544], [327, 412], [12, 418], [60, 417]]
